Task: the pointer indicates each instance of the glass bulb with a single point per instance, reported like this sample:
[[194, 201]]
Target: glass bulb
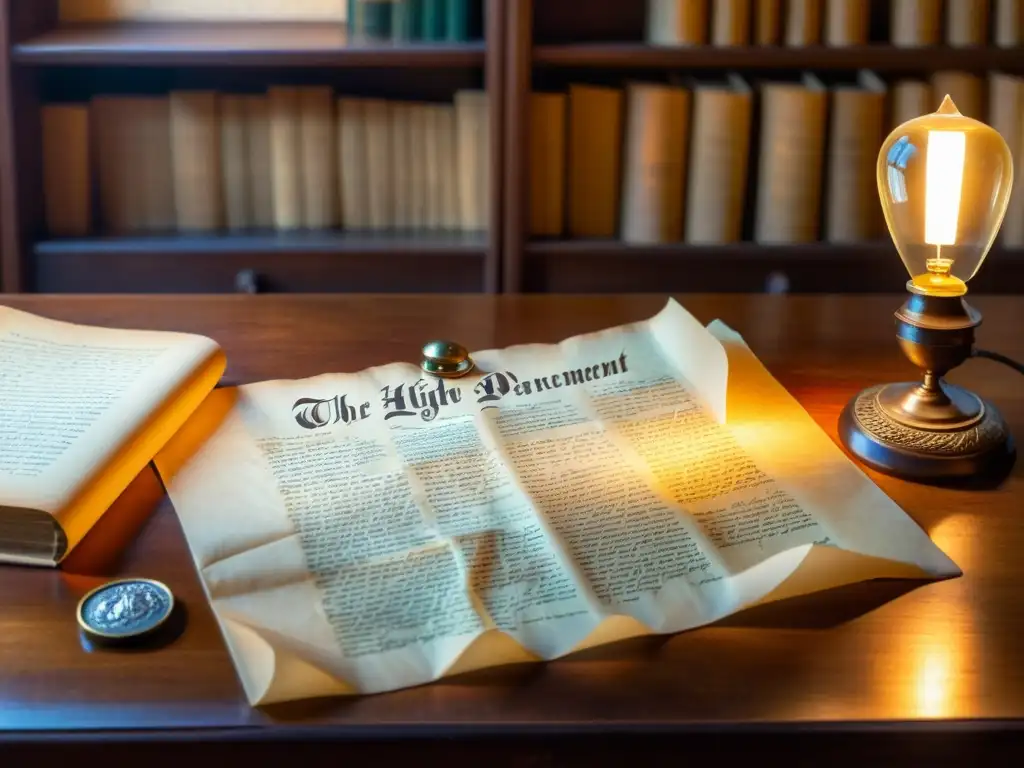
[[944, 180]]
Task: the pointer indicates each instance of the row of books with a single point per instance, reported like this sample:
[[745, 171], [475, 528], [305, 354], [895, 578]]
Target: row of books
[[293, 158], [416, 20], [658, 163], [912, 23]]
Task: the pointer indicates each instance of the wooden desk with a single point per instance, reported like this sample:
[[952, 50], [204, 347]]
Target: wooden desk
[[861, 672]]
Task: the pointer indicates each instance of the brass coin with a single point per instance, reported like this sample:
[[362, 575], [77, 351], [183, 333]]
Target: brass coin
[[125, 609]]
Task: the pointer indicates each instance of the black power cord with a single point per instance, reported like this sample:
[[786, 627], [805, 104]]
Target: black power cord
[[1018, 367]]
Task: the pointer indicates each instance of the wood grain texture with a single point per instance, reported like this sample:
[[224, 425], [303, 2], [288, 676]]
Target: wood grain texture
[[899, 660]]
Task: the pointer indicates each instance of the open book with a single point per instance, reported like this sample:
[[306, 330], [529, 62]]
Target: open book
[[363, 532], [82, 411]]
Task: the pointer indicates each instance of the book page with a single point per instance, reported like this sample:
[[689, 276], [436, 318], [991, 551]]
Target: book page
[[75, 398], [364, 532]]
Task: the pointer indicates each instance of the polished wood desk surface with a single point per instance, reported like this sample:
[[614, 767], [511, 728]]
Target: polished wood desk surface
[[887, 655]]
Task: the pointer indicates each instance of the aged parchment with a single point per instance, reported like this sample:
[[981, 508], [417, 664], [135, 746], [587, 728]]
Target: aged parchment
[[364, 532]]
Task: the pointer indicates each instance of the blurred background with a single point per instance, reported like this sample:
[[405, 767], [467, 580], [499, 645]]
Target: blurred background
[[480, 145]]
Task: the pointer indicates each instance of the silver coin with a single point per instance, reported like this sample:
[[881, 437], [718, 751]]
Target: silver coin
[[125, 609]]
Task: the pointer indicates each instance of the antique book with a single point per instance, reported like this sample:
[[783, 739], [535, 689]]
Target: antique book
[[846, 22], [1008, 23], [448, 165], [966, 22], [377, 131], [856, 131], [654, 163], [419, 146], [363, 532], [234, 156], [257, 118], [401, 164], [196, 161], [915, 23], [719, 159], [318, 139], [286, 156], [678, 22], [803, 22], [790, 161], [132, 146], [353, 164], [67, 184], [85, 409], [730, 22], [473, 159], [595, 159], [435, 173], [767, 22], [547, 163]]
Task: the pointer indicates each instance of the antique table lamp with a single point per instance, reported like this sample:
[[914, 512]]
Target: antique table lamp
[[944, 180]]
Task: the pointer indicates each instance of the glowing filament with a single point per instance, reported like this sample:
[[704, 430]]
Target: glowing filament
[[944, 178]]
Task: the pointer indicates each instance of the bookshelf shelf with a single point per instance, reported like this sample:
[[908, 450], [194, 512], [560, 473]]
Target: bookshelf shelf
[[233, 44], [300, 262], [882, 58], [600, 266]]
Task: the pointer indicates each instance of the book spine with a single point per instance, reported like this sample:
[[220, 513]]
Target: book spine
[[595, 155], [376, 18], [547, 164], [435, 19], [66, 169], [402, 21], [803, 22], [257, 124], [677, 22], [1009, 24], [719, 159], [458, 20], [915, 23], [846, 22], [790, 159], [730, 23], [857, 122], [352, 164], [286, 157], [966, 22], [654, 165], [234, 151], [378, 163], [767, 22], [195, 148], [319, 166]]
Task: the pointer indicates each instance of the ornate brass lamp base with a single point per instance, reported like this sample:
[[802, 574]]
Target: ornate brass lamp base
[[929, 431], [873, 428]]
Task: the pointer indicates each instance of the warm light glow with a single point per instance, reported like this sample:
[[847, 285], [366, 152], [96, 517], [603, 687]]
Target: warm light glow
[[944, 179], [934, 682]]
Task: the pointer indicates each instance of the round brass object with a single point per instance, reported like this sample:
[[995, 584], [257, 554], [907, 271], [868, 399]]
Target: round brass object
[[125, 609], [446, 359]]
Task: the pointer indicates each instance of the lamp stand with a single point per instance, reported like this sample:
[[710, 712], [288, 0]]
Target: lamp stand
[[929, 431]]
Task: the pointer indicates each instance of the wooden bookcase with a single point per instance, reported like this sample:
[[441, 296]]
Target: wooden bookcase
[[529, 44], [554, 42], [44, 62]]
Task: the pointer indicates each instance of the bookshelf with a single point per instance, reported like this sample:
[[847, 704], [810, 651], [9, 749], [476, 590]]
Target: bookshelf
[[551, 44], [45, 61]]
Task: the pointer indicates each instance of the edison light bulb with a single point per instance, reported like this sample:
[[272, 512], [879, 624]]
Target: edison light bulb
[[944, 180]]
